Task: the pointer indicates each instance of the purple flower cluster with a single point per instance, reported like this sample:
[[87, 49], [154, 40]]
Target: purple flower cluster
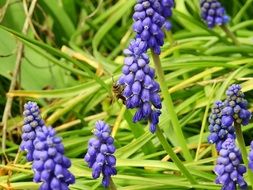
[[235, 110], [219, 133], [140, 88], [150, 17], [213, 13], [46, 151], [32, 120], [100, 153], [50, 165], [251, 156], [229, 169], [223, 119]]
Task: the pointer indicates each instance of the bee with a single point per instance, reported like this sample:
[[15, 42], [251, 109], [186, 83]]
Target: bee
[[117, 90]]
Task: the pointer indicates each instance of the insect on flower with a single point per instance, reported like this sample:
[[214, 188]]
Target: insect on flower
[[117, 90]]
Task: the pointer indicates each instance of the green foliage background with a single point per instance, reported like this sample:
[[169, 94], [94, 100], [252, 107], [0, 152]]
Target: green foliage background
[[73, 49]]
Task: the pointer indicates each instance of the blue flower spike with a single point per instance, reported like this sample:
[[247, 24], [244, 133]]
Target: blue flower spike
[[50, 166], [250, 157], [100, 153], [235, 109], [229, 169], [32, 121], [219, 132], [149, 20], [213, 13], [45, 149], [140, 88]]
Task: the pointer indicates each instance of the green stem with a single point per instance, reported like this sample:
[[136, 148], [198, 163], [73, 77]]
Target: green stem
[[173, 156], [230, 34], [172, 43], [176, 52], [241, 143], [112, 186], [204, 122], [170, 108]]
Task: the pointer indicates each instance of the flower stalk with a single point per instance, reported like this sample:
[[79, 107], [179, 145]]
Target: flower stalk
[[230, 34], [112, 186], [170, 108], [172, 42], [173, 156]]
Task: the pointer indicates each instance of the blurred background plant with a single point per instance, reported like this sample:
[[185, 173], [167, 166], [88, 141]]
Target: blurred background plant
[[66, 54]]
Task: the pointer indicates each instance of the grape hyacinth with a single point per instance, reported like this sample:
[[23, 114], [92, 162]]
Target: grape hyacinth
[[218, 132], [50, 166], [251, 156], [235, 110], [140, 88], [229, 169], [213, 13], [100, 153], [32, 120], [150, 17]]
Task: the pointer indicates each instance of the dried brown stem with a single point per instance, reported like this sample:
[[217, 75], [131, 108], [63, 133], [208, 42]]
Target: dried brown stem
[[20, 51]]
